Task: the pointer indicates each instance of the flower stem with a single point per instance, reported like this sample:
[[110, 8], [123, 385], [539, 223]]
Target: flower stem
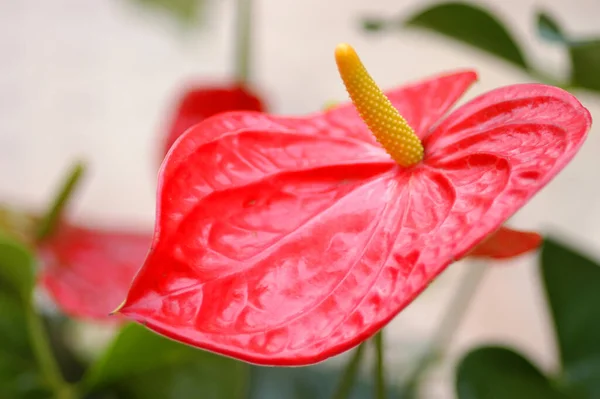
[[44, 356], [379, 372], [243, 40], [52, 217], [452, 319], [347, 382]]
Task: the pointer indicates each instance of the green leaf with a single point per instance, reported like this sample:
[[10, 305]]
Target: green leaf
[[471, 25], [16, 267], [572, 283], [549, 29], [585, 64], [209, 378], [584, 54], [142, 364], [55, 212], [18, 368], [500, 373]]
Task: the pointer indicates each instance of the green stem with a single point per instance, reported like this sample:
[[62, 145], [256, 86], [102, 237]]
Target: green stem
[[379, 366], [44, 356], [243, 41], [52, 217], [452, 319], [347, 382]]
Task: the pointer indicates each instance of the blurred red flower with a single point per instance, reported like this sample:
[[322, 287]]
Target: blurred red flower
[[203, 102]]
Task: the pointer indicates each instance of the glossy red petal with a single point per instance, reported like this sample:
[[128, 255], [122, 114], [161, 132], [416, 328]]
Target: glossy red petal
[[536, 129], [284, 247], [506, 243], [244, 156], [422, 103], [88, 271], [200, 103]]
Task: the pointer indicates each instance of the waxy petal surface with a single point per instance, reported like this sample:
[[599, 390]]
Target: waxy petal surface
[[88, 271], [281, 241], [422, 103]]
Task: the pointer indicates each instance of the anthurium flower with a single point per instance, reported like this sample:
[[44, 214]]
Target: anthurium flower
[[284, 241], [88, 271], [203, 102]]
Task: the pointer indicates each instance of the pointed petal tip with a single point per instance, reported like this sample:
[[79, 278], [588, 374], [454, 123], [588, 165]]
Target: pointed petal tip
[[118, 309], [472, 74]]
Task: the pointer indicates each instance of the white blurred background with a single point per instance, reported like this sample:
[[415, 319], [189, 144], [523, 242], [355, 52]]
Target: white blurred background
[[96, 80]]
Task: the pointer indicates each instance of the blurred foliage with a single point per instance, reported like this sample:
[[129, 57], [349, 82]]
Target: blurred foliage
[[17, 224], [53, 216], [585, 60], [480, 28], [16, 268], [571, 282], [19, 377], [472, 25], [584, 53], [187, 12], [142, 364], [312, 382], [548, 29], [500, 373]]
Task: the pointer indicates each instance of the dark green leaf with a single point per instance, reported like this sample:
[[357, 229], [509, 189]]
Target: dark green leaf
[[549, 29], [471, 25], [209, 378], [142, 364], [16, 267], [585, 64], [500, 373], [584, 54], [572, 283], [18, 375], [13, 330]]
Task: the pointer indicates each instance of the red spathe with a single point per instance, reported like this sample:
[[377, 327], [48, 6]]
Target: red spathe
[[285, 241]]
